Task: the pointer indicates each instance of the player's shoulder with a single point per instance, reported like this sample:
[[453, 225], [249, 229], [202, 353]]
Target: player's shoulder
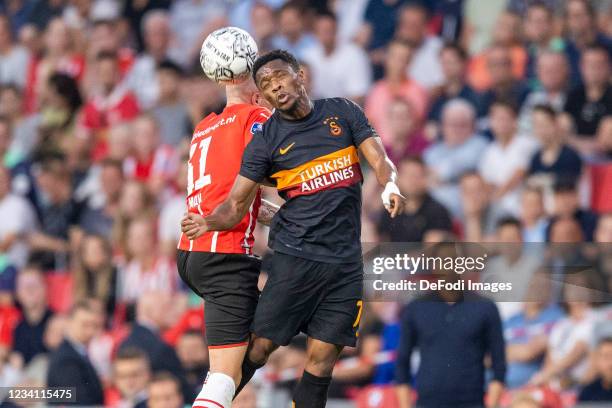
[[339, 103]]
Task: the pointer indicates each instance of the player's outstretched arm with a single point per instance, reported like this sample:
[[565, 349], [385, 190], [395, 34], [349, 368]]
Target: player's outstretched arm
[[227, 214], [386, 174]]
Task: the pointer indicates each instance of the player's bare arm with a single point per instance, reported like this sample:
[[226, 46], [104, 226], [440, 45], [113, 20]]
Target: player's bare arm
[[386, 174], [227, 214]]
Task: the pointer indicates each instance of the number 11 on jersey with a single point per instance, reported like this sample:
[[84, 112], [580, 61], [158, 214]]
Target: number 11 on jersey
[[197, 166]]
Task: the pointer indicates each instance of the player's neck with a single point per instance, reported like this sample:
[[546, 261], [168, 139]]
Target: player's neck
[[302, 108], [235, 94]]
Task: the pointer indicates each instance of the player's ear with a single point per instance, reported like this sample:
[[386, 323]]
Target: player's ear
[[256, 98]]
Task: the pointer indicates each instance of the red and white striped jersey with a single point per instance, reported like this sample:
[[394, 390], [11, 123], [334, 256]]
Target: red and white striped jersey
[[214, 161]]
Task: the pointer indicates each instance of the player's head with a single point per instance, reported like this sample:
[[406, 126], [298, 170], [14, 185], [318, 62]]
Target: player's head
[[280, 79]]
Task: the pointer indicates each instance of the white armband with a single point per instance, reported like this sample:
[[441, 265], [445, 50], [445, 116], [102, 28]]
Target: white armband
[[390, 188]]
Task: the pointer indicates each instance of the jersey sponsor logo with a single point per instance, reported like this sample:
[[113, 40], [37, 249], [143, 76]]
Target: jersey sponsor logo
[[222, 122], [334, 128], [257, 127], [286, 149], [337, 169]]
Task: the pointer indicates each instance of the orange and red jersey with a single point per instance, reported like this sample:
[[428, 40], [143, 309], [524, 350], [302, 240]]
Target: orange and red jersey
[[214, 161]]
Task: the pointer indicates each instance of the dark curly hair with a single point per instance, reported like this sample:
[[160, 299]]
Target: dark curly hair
[[276, 55]]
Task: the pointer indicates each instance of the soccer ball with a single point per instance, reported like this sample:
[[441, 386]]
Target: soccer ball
[[228, 54]]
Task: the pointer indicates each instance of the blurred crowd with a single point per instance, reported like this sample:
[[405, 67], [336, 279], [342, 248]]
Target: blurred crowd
[[497, 113]]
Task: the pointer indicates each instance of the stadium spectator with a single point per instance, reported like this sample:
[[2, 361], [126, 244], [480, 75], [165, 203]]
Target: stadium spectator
[[142, 78], [247, 398], [330, 60], [513, 264], [18, 220], [18, 130], [477, 215], [293, 35], [566, 204], [396, 82], [101, 203], [31, 293], [539, 32], [527, 332], [164, 392], [406, 137], [552, 75], [151, 162], [10, 374], [95, 276], [505, 162], [477, 331], [554, 160], [146, 269], [504, 85], [151, 317], [600, 390], [192, 351], [135, 201], [14, 59], [411, 27], [171, 112], [457, 153], [111, 104], [422, 213], [453, 61], [131, 375], [570, 340], [58, 213], [581, 33], [483, 68], [106, 38], [533, 215], [587, 104], [70, 365]]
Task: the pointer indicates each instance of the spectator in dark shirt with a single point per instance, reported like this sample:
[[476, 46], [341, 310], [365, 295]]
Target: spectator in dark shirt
[[587, 104], [151, 317], [131, 373], [32, 297], [58, 211], [566, 204], [454, 331], [554, 159], [453, 60], [423, 213], [165, 392], [600, 390], [70, 365], [582, 33], [503, 84]]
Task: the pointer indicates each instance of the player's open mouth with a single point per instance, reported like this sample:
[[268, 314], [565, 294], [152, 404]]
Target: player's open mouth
[[282, 98]]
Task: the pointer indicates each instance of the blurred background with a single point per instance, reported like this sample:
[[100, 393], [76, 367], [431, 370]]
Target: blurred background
[[498, 114]]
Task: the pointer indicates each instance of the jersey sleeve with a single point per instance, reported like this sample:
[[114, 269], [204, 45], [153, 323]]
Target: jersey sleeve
[[256, 163], [255, 123], [359, 123]]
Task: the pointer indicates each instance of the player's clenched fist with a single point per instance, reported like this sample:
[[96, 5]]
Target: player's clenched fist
[[193, 225]]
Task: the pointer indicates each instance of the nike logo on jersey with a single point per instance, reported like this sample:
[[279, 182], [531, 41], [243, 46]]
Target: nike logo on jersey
[[286, 149]]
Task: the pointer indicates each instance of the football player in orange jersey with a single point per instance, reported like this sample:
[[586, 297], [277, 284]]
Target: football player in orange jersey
[[220, 266]]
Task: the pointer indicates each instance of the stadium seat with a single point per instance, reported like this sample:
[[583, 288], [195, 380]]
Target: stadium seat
[[601, 187]]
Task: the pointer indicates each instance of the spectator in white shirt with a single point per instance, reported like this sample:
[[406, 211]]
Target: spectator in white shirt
[[13, 59], [293, 35], [142, 78], [505, 161], [425, 67], [332, 61], [17, 220]]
